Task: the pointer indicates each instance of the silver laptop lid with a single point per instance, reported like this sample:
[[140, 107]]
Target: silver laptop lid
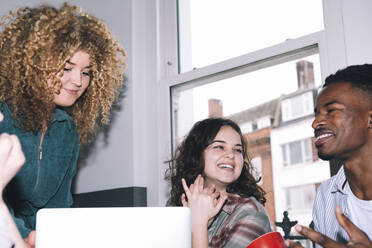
[[114, 227]]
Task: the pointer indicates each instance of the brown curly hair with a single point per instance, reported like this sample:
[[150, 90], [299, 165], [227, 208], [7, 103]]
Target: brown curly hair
[[188, 162], [35, 44]]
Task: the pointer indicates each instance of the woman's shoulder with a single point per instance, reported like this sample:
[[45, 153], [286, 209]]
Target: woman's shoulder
[[8, 119], [4, 108], [247, 210]]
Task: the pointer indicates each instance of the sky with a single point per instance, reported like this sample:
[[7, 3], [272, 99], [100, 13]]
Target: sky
[[223, 29]]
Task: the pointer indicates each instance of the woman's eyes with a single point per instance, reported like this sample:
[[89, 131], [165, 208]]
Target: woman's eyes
[[85, 73], [218, 147], [239, 150]]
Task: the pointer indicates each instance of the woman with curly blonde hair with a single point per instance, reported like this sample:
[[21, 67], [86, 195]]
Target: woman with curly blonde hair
[[60, 72], [211, 174]]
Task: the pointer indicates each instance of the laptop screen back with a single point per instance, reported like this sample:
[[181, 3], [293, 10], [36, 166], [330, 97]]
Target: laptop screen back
[[114, 227]]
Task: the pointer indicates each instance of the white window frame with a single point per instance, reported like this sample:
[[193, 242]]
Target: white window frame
[[329, 43], [305, 158]]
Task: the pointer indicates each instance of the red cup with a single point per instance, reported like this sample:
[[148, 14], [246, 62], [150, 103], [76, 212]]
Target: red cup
[[268, 240]]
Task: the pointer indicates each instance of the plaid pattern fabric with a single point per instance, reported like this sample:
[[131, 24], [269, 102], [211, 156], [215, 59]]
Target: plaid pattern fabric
[[240, 221]]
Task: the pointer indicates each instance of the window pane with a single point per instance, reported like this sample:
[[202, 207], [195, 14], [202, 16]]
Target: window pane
[[297, 106], [307, 150], [284, 155], [300, 197], [295, 152], [239, 93], [215, 30], [249, 99]]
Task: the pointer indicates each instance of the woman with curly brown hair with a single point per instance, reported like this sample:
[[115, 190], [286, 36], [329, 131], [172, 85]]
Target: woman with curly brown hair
[[211, 175], [60, 72]]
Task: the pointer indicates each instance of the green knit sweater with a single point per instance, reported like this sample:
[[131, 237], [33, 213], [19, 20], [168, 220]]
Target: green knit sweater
[[45, 179]]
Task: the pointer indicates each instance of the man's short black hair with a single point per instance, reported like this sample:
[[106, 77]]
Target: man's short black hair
[[359, 76]]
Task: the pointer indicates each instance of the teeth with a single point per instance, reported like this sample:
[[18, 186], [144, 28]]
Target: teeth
[[323, 136], [226, 166]]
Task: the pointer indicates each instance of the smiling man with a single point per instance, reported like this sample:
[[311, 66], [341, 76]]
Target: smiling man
[[343, 130]]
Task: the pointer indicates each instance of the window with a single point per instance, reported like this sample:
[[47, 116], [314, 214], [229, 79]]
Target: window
[[245, 94], [263, 122], [298, 106], [215, 30], [247, 127], [297, 152], [300, 198], [248, 81]]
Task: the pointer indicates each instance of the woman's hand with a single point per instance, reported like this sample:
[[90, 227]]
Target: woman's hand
[[11, 158], [204, 203], [30, 239]]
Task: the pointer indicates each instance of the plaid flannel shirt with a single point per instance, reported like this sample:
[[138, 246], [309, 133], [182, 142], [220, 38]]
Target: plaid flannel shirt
[[240, 221]]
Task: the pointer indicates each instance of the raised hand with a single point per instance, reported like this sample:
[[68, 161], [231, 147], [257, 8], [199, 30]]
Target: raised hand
[[204, 204], [11, 158], [358, 239]]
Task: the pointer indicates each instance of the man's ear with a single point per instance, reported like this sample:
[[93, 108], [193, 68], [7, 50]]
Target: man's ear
[[370, 119]]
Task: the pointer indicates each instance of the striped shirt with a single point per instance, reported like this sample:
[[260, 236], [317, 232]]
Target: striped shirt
[[330, 194], [240, 221]]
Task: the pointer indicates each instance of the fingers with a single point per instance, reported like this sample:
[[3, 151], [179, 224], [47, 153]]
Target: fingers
[[11, 158], [192, 186], [186, 189], [1, 117], [356, 235], [31, 239], [199, 182], [220, 203], [318, 237], [345, 222], [183, 200], [16, 152], [292, 244], [11, 150], [5, 146], [211, 189]]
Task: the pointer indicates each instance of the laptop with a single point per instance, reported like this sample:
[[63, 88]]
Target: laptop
[[155, 227]]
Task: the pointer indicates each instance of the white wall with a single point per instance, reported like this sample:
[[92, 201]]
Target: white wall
[[347, 25], [109, 165]]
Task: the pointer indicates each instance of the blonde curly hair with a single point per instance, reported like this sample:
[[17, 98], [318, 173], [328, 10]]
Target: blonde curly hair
[[35, 44]]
